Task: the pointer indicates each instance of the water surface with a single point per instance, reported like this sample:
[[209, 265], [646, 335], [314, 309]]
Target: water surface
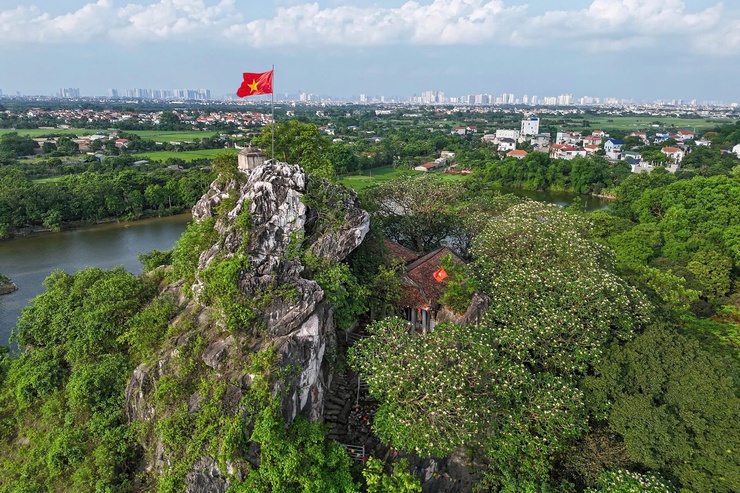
[[29, 260]]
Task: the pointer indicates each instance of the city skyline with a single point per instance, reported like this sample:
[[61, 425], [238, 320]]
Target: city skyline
[[629, 49]]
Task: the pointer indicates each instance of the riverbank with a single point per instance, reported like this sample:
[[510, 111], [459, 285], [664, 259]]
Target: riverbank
[[28, 261], [76, 225], [6, 285]]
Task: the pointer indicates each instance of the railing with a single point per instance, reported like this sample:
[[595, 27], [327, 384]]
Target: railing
[[357, 452]]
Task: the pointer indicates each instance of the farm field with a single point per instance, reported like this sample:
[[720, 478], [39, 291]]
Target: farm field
[[375, 176], [185, 155]]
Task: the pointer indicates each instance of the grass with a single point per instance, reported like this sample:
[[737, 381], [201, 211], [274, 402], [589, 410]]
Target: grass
[[184, 155], [368, 178]]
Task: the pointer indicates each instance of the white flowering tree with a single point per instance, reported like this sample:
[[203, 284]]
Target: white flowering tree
[[623, 481], [506, 389], [555, 297], [452, 388]]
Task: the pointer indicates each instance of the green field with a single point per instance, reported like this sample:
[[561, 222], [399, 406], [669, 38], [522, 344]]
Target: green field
[[184, 155], [375, 176]]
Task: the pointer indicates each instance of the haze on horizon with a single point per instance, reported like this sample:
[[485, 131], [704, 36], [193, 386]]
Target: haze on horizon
[[640, 49]]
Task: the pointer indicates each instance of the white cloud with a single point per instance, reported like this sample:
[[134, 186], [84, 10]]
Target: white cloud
[[604, 25]]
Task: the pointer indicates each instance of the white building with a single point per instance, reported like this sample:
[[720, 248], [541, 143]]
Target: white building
[[503, 133], [736, 150], [530, 126], [674, 154], [506, 144]]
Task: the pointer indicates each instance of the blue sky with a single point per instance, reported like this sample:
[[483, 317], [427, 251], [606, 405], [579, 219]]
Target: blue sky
[[641, 49]]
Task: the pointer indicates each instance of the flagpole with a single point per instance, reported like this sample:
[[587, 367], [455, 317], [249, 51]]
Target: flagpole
[[272, 94]]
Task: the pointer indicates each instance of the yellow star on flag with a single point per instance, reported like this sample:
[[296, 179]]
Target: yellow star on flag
[[253, 86]]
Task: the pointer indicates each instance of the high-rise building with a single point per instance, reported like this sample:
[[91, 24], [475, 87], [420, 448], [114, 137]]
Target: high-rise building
[[112, 93], [69, 92]]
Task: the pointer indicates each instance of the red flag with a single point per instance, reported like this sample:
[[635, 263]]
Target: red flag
[[440, 275], [255, 83]]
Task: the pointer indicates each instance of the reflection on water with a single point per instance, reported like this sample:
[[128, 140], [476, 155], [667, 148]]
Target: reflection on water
[[28, 261]]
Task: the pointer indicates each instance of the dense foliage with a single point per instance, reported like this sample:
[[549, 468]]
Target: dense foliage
[[62, 421], [93, 196]]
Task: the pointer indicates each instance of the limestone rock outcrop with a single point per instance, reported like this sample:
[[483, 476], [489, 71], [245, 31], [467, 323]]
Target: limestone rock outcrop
[[284, 219]]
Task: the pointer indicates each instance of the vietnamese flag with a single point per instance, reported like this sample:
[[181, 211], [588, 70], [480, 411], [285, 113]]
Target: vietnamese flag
[[440, 275], [255, 83]]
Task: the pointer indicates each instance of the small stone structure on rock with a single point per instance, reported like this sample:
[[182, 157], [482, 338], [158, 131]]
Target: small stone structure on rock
[[250, 158]]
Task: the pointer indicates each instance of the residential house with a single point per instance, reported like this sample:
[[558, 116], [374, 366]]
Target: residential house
[[736, 150], [703, 143], [591, 149], [685, 135], [598, 133], [505, 145], [488, 138], [517, 153], [639, 166], [571, 138], [592, 140], [436, 164], [674, 154], [634, 155], [507, 134], [459, 130], [613, 145], [640, 135], [447, 154], [540, 141], [567, 152]]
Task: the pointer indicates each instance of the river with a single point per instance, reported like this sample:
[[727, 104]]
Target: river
[[29, 260]]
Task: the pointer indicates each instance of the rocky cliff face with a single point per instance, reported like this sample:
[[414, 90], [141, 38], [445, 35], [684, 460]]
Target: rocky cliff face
[[300, 327]]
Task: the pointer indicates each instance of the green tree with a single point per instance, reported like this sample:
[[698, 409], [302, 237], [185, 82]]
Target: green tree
[[400, 481], [415, 212], [675, 407], [13, 145], [298, 143]]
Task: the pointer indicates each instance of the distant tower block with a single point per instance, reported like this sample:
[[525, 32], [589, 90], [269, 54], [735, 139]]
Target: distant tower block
[[249, 158]]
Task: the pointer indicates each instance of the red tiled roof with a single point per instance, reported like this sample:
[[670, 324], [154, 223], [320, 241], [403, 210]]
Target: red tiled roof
[[421, 273], [411, 296], [397, 251], [670, 149], [517, 152]]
